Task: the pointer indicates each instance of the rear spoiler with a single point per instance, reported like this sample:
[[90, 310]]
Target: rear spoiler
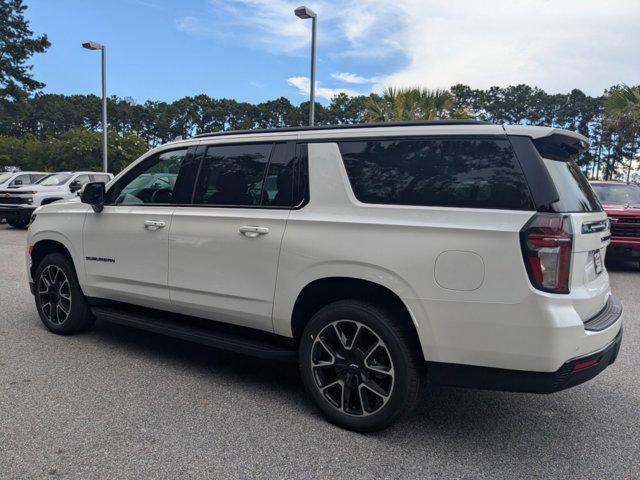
[[552, 143]]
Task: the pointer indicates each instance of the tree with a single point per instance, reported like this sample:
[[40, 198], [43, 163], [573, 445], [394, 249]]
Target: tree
[[623, 117], [398, 104], [17, 44]]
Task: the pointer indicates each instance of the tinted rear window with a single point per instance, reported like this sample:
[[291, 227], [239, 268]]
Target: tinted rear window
[[473, 173], [576, 195]]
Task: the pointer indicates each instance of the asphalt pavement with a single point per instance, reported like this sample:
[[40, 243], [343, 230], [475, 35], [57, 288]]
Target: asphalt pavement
[[119, 403]]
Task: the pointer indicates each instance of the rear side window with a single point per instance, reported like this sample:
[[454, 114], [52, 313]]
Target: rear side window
[[278, 188], [233, 175], [471, 173], [576, 195]]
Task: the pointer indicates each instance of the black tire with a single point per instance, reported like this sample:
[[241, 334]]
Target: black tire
[[18, 222], [393, 367], [63, 316]]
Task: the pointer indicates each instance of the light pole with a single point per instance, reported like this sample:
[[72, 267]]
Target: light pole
[[305, 13], [103, 49]]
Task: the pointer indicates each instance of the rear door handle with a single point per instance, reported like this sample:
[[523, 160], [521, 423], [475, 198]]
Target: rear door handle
[[154, 224], [252, 232]]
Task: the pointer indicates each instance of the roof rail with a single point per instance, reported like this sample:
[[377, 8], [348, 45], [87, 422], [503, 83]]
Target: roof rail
[[345, 126]]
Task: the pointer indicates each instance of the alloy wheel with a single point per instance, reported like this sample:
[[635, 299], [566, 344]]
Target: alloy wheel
[[352, 367], [54, 293]]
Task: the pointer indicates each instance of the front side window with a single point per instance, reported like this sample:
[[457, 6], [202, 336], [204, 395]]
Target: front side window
[[101, 178], [233, 175], [82, 180], [21, 180], [55, 179], [471, 173], [165, 178]]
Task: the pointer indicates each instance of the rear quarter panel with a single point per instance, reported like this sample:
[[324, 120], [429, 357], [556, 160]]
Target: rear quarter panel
[[466, 320]]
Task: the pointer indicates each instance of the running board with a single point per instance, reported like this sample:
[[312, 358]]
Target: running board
[[184, 330]]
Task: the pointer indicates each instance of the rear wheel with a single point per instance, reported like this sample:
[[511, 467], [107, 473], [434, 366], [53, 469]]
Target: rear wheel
[[18, 222], [359, 366], [59, 299]]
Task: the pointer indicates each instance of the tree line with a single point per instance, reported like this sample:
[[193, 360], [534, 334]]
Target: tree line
[[52, 131], [58, 132]]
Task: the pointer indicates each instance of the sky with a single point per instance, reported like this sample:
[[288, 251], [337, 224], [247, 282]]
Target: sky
[[257, 50]]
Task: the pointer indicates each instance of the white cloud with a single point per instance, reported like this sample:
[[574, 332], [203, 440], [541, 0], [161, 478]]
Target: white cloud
[[192, 26], [557, 45], [348, 77], [554, 44], [303, 84]]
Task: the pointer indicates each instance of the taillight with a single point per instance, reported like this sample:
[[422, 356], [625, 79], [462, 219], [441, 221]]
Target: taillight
[[546, 246]]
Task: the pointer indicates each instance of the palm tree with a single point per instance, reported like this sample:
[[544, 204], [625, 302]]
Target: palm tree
[[398, 104], [623, 116], [624, 101]]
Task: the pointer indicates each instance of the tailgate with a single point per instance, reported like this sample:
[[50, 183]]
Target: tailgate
[[589, 279]]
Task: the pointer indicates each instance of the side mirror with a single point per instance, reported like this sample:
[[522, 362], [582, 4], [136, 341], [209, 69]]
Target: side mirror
[[93, 194], [17, 182], [75, 186]]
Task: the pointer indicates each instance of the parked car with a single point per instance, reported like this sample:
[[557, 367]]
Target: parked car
[[18, 179], [378, 253], [9, 180], [17, 204], [621, 201]]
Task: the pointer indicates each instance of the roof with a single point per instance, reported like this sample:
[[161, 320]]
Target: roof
[[343, 127]]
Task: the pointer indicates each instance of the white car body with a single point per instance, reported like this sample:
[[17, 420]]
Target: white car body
[[22, 201], [17, 179], [459, 272]]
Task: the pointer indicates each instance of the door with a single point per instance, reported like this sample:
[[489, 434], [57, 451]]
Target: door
[[223, 250], [126, 245]]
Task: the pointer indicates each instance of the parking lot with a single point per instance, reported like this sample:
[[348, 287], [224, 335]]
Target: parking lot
[[118, 403]]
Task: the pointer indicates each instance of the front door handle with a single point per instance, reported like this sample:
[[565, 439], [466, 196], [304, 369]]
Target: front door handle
[[252, 232], [154, 225]]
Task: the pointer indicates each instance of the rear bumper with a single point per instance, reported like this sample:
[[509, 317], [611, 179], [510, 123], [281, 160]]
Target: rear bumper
[[574, 372]]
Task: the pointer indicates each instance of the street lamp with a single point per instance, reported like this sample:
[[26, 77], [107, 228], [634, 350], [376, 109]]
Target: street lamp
[[305, 13], [103, 49]]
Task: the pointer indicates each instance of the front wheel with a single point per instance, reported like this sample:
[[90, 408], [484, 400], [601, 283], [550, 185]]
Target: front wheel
[[361, 368], [59, 299]]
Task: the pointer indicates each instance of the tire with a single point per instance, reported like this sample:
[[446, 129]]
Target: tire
[[359, 346], [59, 300], [18, 222]]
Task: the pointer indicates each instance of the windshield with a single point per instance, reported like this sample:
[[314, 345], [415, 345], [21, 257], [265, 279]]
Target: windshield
[[576, 195], [618, 194], [4, 177], [55, 180]]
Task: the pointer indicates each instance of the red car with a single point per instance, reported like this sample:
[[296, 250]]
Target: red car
[[621, 201]]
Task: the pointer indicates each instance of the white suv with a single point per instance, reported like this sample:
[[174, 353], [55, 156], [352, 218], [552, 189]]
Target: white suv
[[370, 254], [11, 180], [17, 204]]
